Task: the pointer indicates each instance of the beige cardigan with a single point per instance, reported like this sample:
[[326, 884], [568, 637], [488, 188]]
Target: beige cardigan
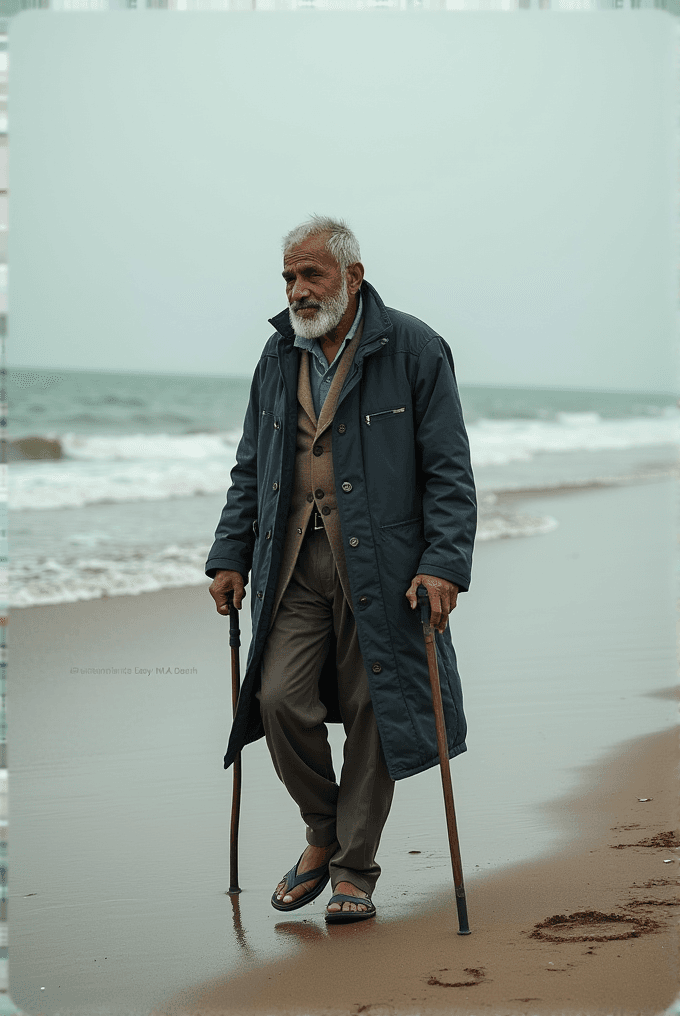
[[314, 472]]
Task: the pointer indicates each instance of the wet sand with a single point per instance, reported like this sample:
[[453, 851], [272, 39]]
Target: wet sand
[[119, 806], [592, 929]]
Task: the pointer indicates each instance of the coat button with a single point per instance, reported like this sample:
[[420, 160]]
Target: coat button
[[275, 486], [325, 510], [259, 595], [276, 424], [347, 486], [341, 428], [318, 450], [364, 601], [353, 541], [310, 497], [268, 535], [376, 668], [319, 493]]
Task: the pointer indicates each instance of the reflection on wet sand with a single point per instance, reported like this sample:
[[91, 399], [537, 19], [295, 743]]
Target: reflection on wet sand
[[239, 931], [304, 931]]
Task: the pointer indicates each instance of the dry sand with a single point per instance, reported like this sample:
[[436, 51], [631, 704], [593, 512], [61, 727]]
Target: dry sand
[[591, 930]]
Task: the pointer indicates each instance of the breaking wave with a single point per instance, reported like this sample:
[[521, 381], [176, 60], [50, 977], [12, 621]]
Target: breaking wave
[[73, 470]]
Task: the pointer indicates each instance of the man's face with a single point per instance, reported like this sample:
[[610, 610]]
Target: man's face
[[315, 287]]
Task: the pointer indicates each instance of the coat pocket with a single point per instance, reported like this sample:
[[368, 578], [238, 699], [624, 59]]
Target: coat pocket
[[383, 415], [400, 549], [406, 522], [270, 420]]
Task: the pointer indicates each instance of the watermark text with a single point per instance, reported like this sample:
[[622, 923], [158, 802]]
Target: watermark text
[[142, 671]]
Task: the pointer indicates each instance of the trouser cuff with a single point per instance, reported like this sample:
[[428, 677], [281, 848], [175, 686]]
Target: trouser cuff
[[322, 837], [367, 885]]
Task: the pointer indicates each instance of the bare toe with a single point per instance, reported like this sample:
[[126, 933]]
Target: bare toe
[[279, 889]]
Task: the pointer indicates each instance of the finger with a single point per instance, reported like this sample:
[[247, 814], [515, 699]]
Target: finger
[[449, 603], [239, 593], [435, 608], [411, 595]]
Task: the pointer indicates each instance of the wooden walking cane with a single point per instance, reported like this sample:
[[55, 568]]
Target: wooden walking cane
[[235, 643], [442, 746]]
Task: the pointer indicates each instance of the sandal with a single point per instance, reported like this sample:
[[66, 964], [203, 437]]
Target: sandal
[[292, 879], [342, 916]]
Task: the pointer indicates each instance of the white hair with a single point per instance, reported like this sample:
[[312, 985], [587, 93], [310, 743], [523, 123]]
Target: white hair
[[341, 242]]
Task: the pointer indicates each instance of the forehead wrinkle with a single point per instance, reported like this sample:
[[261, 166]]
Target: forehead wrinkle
[[317, 256]]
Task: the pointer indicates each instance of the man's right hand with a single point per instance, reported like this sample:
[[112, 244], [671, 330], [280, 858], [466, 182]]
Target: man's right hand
[[224, 583]]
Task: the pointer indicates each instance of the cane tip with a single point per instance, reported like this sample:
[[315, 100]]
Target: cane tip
[[466, 932]]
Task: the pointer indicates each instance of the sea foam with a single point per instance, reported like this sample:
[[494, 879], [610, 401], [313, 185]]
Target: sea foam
[[152, 467], [88, 568]]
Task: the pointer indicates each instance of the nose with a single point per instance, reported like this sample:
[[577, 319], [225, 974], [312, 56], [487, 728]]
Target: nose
[[299, 291]]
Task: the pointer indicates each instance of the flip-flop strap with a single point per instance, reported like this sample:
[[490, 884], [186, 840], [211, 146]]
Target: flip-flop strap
[[292, 880], [342, 898]]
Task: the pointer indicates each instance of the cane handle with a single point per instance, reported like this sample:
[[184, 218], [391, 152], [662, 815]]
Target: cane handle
[[424, 604], [234, 629]]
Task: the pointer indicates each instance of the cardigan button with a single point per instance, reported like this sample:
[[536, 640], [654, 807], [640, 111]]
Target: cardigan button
[[319, 493], [353, 541], [310, 497], [299, 532], [325, 510], [318, 450], [347, 486], [376, 668], [341, 428]]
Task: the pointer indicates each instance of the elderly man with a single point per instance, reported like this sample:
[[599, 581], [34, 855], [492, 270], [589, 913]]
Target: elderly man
[[352, 486]]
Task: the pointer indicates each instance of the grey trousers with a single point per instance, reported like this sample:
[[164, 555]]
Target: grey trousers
[[353, 811]]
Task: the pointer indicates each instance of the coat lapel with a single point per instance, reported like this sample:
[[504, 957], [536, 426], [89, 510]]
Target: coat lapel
[[304, 391]]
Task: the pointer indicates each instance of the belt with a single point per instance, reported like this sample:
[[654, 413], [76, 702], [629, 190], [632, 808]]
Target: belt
[[315, 523]]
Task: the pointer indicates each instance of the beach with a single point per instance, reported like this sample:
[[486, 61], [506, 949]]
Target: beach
[[517, 195], [120, 807], [591, 929]]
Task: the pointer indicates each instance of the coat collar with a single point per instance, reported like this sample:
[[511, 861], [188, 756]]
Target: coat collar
[[377, 324]]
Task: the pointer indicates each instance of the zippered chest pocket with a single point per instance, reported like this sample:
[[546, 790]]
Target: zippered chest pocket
[[383, 414], [269, 419]]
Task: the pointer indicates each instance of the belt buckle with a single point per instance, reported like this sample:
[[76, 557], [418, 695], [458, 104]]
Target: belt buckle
[[318, 521]]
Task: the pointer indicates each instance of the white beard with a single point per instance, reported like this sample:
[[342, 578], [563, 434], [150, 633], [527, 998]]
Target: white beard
[[326, 318]]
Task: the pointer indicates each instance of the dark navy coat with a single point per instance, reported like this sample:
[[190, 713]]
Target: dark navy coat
[[411, 509]]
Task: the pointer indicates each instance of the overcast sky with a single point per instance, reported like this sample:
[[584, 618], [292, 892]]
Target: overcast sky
[[511, 179]]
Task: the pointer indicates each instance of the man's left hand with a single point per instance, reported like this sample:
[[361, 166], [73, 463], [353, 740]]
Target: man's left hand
[[442, 595]]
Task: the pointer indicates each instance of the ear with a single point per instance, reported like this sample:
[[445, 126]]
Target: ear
[[355, 276]]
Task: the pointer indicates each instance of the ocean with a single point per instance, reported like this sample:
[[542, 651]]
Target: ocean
[[117, 479]]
